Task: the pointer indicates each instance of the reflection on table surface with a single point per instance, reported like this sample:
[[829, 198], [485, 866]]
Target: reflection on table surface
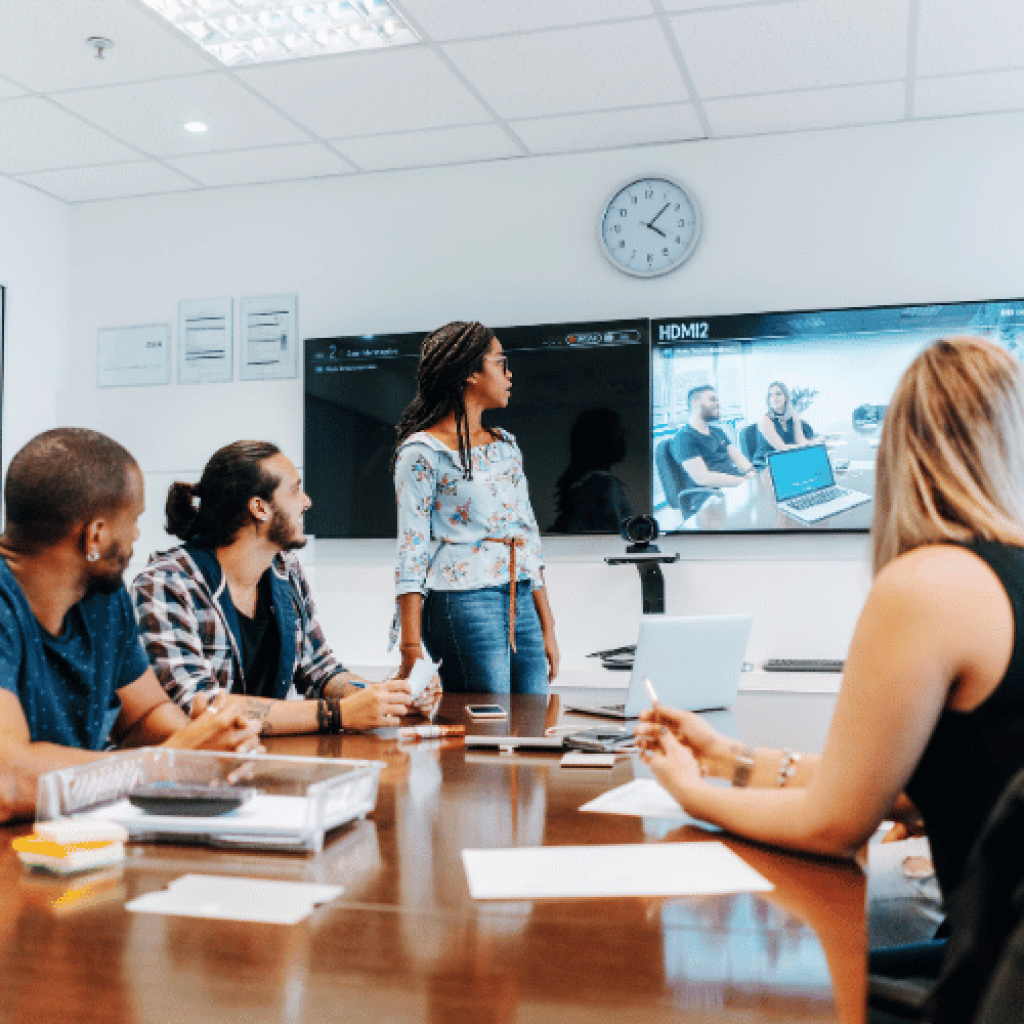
[[407, 943], [751, 505]]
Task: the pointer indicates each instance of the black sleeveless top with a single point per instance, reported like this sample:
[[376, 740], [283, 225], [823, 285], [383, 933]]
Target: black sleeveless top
[[972, 755]]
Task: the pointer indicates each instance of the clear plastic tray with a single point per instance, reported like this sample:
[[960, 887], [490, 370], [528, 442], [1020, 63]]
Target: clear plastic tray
[[298, 799]]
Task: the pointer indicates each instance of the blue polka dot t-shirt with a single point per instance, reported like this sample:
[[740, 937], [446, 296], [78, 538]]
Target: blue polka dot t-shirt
[[68, 685]]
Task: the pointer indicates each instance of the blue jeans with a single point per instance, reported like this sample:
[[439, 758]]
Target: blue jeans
[[467, 630]]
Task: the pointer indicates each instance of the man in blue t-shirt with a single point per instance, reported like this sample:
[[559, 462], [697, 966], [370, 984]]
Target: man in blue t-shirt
[[704, 451], [73, 674]]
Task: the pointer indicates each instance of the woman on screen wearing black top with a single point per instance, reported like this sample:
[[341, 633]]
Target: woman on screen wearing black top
[[932, 699], [781, 426]]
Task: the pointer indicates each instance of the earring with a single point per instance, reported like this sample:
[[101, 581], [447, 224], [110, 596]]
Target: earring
[[93, 556]]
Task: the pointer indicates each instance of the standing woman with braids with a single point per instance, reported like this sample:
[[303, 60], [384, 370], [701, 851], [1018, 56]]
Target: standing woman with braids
[[470, 574]]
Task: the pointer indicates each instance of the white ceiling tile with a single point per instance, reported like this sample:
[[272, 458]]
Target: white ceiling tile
[[246, 167], [117, 181], [35, 135], [456, 19], [368, 93], [424, 149], [969, 35], [150, 115], [44, 48], [568, 71], [802, 45], [969, 94], [801, 111], [609, 129], [9, 89]]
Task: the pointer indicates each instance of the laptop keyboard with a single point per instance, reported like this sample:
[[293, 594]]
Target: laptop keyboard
[[817, 498]]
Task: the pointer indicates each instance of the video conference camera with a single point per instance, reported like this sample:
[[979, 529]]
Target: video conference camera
[[641, 532]]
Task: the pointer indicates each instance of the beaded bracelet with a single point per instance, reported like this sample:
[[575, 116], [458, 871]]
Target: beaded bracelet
[[788, 767]]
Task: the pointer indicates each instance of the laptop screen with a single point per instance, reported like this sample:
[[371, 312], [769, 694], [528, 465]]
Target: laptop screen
[[797, 471]]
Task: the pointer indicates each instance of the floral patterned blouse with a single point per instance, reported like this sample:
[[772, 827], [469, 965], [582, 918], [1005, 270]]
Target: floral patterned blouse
[[443, 518]]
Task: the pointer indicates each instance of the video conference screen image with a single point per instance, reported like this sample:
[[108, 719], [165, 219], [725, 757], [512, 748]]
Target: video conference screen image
[[579, 410], [798, 396]]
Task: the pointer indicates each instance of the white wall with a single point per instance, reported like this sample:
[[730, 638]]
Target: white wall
[[887, 214], [34, 270]]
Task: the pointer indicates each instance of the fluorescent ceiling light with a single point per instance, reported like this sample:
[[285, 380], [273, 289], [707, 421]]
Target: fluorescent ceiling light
[[195, 126], [241, 32]]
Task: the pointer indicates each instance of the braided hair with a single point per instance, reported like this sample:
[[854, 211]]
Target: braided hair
[[448, 357]]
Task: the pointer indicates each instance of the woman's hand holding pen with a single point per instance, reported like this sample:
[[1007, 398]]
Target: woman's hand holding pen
[[715, 753]]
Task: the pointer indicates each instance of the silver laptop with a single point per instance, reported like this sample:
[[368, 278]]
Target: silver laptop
[[694, 663], [805, 486]]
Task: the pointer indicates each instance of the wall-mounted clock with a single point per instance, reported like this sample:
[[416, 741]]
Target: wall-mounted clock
[[649, 226]]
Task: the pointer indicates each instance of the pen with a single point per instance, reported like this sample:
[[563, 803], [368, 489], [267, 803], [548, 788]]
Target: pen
[[430, 732], [650, 690]]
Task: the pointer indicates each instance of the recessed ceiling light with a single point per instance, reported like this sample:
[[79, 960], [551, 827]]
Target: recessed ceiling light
[[195, 126], [257, 31]]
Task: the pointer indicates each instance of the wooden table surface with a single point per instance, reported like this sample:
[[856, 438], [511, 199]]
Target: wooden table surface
[[406, 942]]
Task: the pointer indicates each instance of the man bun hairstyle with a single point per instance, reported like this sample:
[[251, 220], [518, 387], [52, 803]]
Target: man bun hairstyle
[[448, 357], [234, 476], [62, 479]]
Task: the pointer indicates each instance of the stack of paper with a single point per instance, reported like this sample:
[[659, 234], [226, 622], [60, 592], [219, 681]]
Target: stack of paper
[[67, 846], [237, 899]]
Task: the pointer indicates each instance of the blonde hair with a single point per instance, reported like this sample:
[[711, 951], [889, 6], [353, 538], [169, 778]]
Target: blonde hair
[[951, 457], [788, 413]]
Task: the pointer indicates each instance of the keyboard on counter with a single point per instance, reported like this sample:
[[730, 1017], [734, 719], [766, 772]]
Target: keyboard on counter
[[803, 665]]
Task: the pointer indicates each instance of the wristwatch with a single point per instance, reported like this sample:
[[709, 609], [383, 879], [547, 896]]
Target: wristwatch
[[743, 767]]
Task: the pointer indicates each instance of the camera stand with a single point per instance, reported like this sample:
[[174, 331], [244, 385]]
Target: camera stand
[[648, 560]]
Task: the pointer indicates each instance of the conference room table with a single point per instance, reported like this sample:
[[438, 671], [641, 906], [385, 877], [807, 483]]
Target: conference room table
[[406, 942]]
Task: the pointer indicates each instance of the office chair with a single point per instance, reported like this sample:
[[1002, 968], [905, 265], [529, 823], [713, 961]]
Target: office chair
[[749, 441], [982, 979], [680, 490]]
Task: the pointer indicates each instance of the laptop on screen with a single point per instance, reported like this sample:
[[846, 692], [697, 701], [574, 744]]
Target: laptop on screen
[[805, 486], [694, 664]]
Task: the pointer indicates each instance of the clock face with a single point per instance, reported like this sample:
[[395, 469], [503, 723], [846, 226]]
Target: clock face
[[649, 227]]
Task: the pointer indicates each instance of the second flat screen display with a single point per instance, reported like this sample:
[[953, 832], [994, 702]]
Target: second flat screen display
[[800, 396]]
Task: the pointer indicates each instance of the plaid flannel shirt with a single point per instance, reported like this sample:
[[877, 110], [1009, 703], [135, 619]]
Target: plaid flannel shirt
[[189, 642]]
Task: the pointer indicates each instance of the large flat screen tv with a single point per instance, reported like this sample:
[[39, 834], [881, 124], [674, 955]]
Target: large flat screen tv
[[839, 366], [578, 389]]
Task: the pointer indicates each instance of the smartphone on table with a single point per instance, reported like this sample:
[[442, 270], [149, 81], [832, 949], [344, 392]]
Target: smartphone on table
[[486, 711]]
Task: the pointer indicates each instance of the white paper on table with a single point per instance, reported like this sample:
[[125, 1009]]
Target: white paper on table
[[568, 872], [642, 797], [422, 672], [237, 899]]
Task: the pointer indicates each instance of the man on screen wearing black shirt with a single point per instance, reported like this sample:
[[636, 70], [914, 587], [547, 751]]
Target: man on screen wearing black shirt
[[705, 452]]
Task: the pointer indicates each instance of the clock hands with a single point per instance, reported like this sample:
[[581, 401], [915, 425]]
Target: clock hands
[[650, 223]]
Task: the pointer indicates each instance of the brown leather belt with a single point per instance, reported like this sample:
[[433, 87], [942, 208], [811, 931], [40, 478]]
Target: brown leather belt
[[513, 579]]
